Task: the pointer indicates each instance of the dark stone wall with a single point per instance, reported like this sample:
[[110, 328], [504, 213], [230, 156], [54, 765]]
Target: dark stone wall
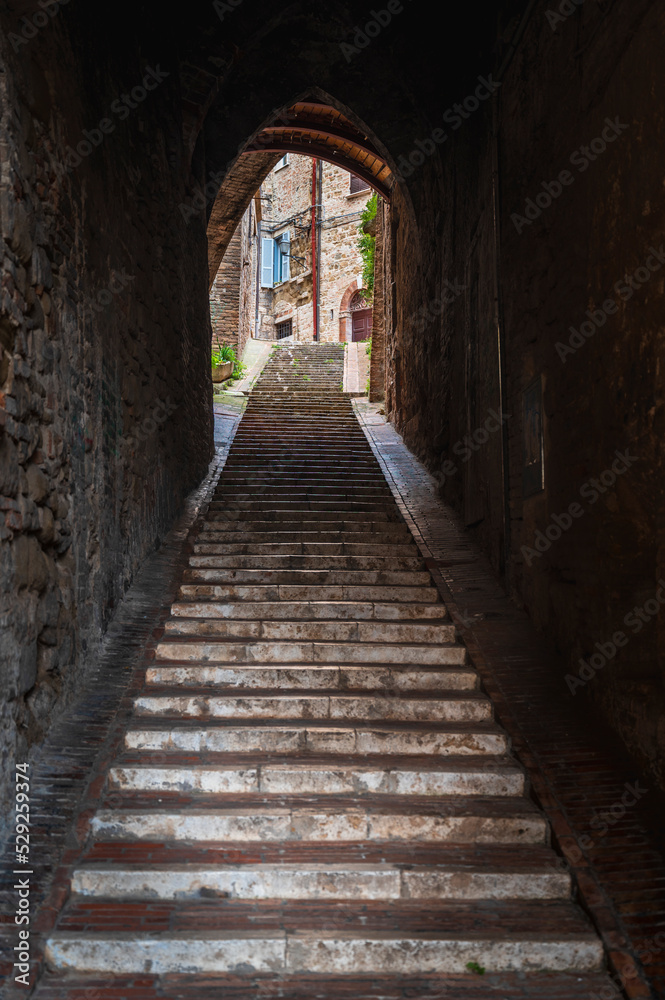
[[105, 415], [573, 261]]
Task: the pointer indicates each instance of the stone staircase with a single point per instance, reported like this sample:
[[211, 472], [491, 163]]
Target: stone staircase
[[313, 799]]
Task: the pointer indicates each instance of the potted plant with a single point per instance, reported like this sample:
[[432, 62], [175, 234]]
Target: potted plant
[[223, 361]]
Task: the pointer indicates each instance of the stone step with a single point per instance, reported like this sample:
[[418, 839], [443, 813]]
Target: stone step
[[331, 577], [457, 739], [203, 705], [270, 612], [289, 677], [310, 653], [501, 820], [311, 593], [307, 677], [307, 779], [315, 631], [325, 882], [312, 952]]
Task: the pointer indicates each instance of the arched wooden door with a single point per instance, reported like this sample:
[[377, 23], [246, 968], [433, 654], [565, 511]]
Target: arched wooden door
[[361, 318]]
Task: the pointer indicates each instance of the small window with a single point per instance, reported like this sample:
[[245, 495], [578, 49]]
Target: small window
[[275, 260], [284, 329], [284, 162], [358, 184]]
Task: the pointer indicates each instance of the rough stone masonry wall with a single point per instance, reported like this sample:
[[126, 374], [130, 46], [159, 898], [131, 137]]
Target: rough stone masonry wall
[[105, 420], [341, 262], [290, 192], [568, 256]]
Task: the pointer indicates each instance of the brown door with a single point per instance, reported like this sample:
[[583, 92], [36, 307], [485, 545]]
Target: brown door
[[362, 324]]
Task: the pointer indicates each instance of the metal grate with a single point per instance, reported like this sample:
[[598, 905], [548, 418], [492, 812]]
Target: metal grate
[[284, 329]]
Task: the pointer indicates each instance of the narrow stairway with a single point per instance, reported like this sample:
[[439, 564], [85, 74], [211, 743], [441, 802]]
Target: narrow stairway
[[313, 799]]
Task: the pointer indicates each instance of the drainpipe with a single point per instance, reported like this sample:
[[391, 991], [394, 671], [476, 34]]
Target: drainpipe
[[319, 230], [315, 272], [258, 277]]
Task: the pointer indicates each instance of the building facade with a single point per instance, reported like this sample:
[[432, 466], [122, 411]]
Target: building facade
[[293, 270]]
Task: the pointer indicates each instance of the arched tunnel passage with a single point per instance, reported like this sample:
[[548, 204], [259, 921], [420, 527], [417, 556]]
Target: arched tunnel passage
[[519, 267]]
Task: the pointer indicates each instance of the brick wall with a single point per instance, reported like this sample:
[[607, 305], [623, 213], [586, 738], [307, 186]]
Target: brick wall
[[225, 292]]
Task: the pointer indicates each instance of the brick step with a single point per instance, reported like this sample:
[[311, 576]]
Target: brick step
[[313, 654], [345, 491], [302, 503], [309, 592], [323, 882], [245, 462], [471, 738], [449, 919], [305, 516], [305, 986], [315, 631], [327, 549], [483, 857], [220, 559], [469, 707], [356, 532], [310, 577], [321, 483], [449, 778], [472, 820], [314, 611], [314, 458]]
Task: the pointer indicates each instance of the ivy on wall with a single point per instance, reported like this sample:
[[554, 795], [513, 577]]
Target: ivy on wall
[[367, 244]]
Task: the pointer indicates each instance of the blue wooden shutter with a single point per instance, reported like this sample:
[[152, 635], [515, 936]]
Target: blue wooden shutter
[[286, 261], [267, 262], [277, 261]]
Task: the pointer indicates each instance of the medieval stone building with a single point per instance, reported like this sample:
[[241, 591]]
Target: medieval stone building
[[292, 270]]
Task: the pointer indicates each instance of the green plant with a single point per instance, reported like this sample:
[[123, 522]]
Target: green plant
[[222, 353], [474, 967], [367, 387], [367, 245], [239, 371], [368, 347]]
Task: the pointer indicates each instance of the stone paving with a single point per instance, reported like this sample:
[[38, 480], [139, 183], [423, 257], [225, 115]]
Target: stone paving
[[577, 767]]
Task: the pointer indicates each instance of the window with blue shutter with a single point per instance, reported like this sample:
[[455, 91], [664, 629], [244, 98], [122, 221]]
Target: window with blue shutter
[[267, 252], [285, 239], [277, 262]]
